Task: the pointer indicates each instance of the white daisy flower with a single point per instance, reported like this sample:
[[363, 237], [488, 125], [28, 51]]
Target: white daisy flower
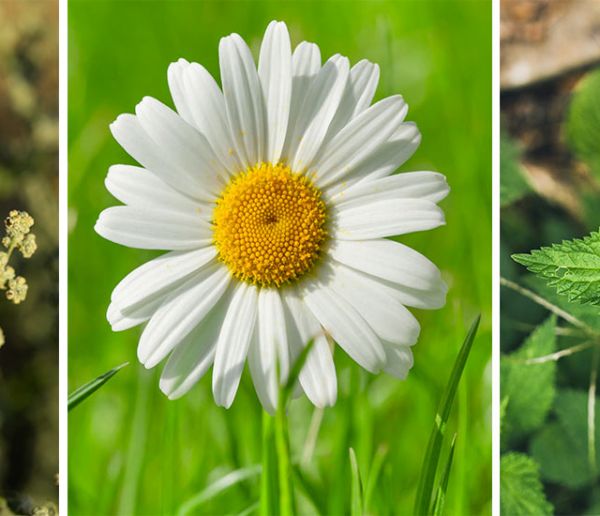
[[274, 196]]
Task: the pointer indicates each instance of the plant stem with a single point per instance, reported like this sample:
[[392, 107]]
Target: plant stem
[[549, 306], [267, 485], [283, 460], [592, 413]]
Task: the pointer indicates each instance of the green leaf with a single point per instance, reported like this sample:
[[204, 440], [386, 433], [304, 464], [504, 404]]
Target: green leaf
[[425, 490], [356, 508], [528, 389], [583, 122], [572, 267], [513, 185], [561, 448], [521, 491], [80, 394], [440, 497]]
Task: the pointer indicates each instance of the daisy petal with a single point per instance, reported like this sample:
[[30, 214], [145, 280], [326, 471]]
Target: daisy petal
[[209, 114], [306, 63], [146, 229], [194, 355], [120, 321], [317, 377], [140, 188], [232, 346], [430, 186], [317, 110], [367, 220], [358, 95], [269, 349], [390, 320], [128, 131], [275, 73], [181, 312], [175, 79], [243, 99], [182, 146], [389, 156], [399, 360], [159, 276], [364, 78], [360, 139], [390, 261], [345, 324]]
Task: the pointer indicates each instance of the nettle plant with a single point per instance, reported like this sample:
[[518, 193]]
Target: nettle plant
[[550, 430]]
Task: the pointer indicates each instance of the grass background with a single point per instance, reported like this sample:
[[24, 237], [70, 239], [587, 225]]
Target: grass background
[[131, 451]]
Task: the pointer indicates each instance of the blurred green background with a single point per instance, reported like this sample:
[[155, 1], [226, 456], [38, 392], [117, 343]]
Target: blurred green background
[[131, 451]]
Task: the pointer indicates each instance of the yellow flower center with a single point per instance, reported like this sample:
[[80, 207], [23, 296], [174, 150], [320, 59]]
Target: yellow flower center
[[269, 225]]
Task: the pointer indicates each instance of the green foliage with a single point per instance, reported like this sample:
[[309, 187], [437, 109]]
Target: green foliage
[[513, 184], [561, 448], [528, 389], [572, 267], [521, 491], [583, 122]]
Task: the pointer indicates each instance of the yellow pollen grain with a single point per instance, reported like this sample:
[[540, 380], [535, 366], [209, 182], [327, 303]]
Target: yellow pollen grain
[[269, 225]]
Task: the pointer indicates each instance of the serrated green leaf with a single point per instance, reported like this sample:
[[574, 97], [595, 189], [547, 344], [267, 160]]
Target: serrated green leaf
[[583, 122], [513, 185], [528, 389], [561, 447], [521, 491], [572, 267]]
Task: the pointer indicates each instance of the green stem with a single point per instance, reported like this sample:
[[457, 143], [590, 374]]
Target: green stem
[[283, 460], [267, 481], [592, 413]]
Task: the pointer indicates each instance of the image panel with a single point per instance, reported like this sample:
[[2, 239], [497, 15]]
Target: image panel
[[550, 257], [279, 274], [28, 257]]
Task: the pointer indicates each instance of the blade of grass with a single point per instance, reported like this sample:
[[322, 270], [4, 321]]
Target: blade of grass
[[356, 507], [218, 487], [440, 497], [432, 455], [86, 390], [374, 473]]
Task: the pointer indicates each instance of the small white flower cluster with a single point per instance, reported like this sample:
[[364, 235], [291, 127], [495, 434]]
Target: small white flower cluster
[[18, 236]]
